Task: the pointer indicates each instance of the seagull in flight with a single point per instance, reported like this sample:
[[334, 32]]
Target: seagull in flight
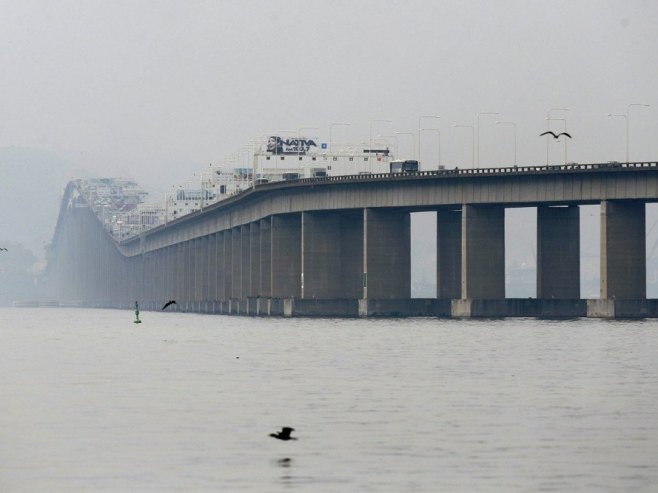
[[170, 302], [555, 136], [3, 249], [284, 434]]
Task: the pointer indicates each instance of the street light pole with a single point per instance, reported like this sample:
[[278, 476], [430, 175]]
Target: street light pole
[[419, 129], [628, 116], [478, 131], [625, 117], [565, 137], [473, 143], [548, 126], [330, 127], [438, 132], [514, 125]]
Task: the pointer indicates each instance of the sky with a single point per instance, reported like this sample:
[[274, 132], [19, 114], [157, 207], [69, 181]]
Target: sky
[[156, 90]]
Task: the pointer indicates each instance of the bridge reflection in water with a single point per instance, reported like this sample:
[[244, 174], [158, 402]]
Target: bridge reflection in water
[[340, 246]]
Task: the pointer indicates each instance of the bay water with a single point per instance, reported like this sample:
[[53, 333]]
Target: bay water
[[90, 401]]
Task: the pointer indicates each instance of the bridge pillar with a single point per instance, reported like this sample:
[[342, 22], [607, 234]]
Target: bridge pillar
[[227, 264], [220, 273], [448, 254], [320, 276], [558, 252], [200, 268], [265, 290], [331, 256], [181, 295], [236, 267], [211, 268], [286, 262], [245, 246], [623, 250], [254, 259], [483, 252], [386, 254]]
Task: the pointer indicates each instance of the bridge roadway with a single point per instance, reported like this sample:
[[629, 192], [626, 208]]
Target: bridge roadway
[[340, 246]]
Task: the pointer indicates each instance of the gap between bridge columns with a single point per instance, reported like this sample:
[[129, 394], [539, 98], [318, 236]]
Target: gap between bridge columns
[[448, 254], [483, 252], [558, 252], [623, 250]]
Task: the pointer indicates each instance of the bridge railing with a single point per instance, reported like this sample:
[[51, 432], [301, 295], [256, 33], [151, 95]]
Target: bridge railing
[[540, 169]]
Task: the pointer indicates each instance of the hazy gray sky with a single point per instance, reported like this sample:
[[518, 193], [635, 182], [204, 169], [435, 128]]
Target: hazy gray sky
[[156, 89]]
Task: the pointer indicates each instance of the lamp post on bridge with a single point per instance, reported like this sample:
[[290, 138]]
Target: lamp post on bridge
[[419, 130], [627, 117], [548, 126], [473, 141], [514, 126], [330, 127], [438, 133], [564, 120], [478, 131]]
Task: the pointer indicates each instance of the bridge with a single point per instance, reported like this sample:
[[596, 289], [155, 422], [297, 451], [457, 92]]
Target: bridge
[[340, 246]]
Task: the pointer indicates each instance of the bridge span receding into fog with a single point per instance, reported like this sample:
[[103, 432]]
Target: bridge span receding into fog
[[340, 246]]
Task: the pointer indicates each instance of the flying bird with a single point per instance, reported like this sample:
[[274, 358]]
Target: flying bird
[[555, 136], [284, 434], [170, 302], [3, 249]]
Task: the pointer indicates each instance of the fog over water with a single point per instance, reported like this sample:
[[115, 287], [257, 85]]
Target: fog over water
[[183, 402]]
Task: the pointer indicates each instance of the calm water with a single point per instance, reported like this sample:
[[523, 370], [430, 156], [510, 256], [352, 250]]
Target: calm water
[[90, 401]]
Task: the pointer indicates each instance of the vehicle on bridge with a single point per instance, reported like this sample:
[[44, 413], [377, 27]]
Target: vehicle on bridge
[[404, 166]]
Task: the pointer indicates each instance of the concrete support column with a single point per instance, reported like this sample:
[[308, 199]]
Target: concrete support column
[[245, 271], [236, 290], [386, 254], [265, 258], [228, 264], [211, 267], [200, 268], [558, 252], [254, 259], [483, 252], [221, 269], [286, 264], [623, 250], [320, 278], [180, 272], [448, 254]]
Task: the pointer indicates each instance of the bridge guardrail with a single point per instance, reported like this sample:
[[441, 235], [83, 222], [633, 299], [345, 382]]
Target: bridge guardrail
[[541, 169]]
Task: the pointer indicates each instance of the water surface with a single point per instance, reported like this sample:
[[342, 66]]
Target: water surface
[[90, 401]]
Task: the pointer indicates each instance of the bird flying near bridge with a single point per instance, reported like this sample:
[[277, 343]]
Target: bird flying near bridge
[[554, 135]]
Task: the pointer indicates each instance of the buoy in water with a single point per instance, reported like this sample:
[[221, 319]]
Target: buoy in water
[[137, 320]]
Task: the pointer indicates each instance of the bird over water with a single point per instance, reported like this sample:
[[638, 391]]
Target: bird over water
[[284, 434]]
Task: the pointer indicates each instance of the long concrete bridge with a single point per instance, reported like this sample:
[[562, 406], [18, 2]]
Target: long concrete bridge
[[340, 246]]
